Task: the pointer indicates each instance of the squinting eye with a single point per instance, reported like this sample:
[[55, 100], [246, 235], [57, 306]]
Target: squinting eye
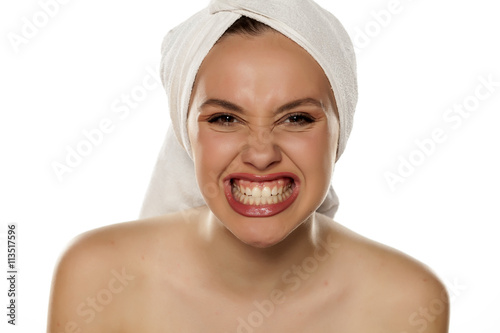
[[222, 119], [299, 119]]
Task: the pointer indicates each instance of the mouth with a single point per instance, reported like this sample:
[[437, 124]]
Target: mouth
[[261, 196]]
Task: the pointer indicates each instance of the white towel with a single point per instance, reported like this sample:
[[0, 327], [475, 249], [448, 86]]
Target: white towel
[[173, 185]]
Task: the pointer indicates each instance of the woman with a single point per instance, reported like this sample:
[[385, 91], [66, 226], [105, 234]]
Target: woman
[[262, 95]]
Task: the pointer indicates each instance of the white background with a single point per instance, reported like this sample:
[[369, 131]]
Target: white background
[[422, 61]]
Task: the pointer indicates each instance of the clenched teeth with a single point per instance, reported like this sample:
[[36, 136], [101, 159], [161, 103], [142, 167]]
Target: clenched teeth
[[267, 193]]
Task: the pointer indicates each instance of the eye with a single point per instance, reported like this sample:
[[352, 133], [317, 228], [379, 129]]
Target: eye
[[298, 119], [222, 119]]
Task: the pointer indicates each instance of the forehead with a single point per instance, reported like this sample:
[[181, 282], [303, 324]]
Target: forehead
[[269, 68]]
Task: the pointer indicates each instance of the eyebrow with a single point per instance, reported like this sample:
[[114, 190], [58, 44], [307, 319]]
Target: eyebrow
[[287, 107]]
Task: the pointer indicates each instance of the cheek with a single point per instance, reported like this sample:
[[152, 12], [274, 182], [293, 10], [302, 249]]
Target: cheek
[[212, 145], [313, 152], [213, 152]]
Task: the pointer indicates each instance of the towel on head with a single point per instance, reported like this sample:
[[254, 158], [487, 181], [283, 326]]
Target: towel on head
[[173, 185]]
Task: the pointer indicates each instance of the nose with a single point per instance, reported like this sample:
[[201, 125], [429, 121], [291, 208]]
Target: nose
[[261, 152]]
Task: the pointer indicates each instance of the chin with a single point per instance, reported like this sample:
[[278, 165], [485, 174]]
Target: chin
[[260, 233]]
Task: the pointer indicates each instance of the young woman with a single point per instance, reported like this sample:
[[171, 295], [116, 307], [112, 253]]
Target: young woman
[[263, 125]]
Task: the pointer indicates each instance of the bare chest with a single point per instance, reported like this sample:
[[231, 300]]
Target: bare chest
[[201, 311]]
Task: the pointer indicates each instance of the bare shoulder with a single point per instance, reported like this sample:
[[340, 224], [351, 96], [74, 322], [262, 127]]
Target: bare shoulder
[[98, 266], [399, 293]]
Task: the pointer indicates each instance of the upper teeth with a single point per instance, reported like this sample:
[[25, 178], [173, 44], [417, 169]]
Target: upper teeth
[[264, 192]]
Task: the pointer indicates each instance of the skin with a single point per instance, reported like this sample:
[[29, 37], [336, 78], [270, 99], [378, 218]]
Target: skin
[[210, 269]]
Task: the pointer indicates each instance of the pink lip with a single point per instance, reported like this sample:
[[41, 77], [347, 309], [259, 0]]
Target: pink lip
[[262, 210]]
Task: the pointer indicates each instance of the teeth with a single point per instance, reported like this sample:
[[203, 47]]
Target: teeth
[[262, 196]]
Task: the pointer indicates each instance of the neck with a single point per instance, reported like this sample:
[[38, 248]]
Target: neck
[[255, 271]]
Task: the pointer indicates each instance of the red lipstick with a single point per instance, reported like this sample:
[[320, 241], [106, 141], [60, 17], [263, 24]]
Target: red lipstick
[[250, 195]]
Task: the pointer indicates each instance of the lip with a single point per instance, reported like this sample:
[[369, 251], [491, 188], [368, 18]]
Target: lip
[[262, 210]]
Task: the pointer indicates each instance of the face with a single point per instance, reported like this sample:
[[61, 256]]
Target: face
[[263, 131]]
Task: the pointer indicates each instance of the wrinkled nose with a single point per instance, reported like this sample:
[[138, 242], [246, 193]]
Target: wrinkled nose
[[261, 151]]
